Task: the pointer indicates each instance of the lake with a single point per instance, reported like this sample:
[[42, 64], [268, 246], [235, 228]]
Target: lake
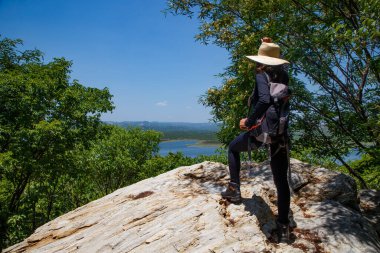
[[186, 147], [351, 156]]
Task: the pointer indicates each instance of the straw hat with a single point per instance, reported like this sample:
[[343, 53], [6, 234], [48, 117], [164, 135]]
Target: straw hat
[[269, 54]]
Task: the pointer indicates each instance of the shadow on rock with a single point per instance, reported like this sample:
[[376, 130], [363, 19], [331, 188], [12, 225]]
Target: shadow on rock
[[338, 220], [256, 206]]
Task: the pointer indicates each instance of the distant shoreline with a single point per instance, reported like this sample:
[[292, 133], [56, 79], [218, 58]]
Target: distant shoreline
[[199, 143], [205, 143]]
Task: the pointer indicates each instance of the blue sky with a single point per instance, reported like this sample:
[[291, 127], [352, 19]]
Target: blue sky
[[151, 63]]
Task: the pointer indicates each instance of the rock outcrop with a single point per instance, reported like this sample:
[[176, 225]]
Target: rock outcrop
[[181, 211], [370, 207]]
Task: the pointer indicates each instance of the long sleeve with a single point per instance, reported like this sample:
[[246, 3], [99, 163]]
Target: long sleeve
[[262, 98]]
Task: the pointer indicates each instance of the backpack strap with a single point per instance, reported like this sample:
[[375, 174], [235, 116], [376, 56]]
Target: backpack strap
[[272, 100], [268, 78]]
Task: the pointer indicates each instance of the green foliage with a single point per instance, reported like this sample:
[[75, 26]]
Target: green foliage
[[369, 168], [55, 154], [311, 156], [43, 117], [333, 47], [158, 164], [16, 224], [220, 156], [116, 160]]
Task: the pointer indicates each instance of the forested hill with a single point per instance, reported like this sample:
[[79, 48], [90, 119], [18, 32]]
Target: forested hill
[[176, 130]]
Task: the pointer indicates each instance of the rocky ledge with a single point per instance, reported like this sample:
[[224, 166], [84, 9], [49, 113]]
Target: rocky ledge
[[181, 211]]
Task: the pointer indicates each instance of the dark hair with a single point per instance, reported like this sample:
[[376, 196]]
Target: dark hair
[[276, 73]]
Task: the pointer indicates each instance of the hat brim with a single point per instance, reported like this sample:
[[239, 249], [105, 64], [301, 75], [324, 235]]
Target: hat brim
[[267, 60]]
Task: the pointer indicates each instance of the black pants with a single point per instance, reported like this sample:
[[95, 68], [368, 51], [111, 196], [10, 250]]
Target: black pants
[[279, 167]]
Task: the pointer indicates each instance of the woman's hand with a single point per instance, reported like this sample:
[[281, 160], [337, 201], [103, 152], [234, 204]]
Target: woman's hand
[[242, 124]]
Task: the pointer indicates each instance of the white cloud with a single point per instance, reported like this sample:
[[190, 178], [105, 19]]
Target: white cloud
[[162, 103]]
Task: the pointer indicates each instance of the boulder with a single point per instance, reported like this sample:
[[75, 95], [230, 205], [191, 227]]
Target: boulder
[[370, 207], [181, 211]]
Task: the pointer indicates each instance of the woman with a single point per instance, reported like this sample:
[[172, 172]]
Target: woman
[[268, 64]]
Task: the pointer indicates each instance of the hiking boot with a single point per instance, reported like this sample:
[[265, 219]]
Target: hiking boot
[[282, 232], [232, 193]]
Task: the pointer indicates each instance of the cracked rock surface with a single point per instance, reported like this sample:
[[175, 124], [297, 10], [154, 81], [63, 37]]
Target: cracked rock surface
[[181, 211]]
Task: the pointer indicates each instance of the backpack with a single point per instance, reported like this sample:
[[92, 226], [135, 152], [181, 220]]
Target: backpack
[[274, 124]]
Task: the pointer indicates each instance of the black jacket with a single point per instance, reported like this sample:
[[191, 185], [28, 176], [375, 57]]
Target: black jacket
[[261, 97]]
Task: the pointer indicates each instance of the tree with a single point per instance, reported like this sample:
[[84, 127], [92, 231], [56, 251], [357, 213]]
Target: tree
[[116, 160], [43, 117], [334, 50], [158, 164]]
